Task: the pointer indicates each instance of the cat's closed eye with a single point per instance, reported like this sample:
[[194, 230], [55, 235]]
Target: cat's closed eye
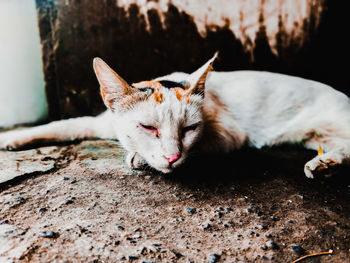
[[189, 129], [149, 128]]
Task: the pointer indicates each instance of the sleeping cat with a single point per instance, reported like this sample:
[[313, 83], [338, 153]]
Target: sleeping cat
[[159, 122]]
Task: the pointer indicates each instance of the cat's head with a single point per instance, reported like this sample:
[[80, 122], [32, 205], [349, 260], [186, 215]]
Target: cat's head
[[159, 119]]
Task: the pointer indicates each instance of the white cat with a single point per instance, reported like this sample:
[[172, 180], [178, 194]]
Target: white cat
[[160, 121]]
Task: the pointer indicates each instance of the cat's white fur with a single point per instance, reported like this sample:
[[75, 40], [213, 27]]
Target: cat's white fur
[[228, 109]]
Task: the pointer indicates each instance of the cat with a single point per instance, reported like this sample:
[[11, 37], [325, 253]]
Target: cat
[[162, 121]]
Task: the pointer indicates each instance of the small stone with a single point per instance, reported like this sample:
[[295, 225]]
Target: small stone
[[4, 222], [206, 226], [191, 210], [268, 235], [243, 199], [120, 227], [331, 209], [271, 244], [177, 254], [261, 227], [290, 221], [132, 257], [65, 178], [249, 210], [68, 202], [116, 242], [136, 236], [218, 213], [297, 249], [42, 209], [47, 234], [274, 218], [319, 232], [239, 235], [20, 198], [213, 258], [258, 213], [251, 232], [156, 244], [73, 181], [263, 247]]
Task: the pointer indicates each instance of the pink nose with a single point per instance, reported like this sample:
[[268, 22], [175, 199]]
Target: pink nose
[[172, 157]]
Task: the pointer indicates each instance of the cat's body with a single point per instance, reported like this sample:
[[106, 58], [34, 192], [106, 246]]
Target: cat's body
[[160, 122]]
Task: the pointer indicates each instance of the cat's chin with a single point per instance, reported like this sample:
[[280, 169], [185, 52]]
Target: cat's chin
[[166, 170]]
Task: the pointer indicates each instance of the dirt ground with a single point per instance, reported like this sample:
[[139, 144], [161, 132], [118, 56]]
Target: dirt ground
[[80, 203]]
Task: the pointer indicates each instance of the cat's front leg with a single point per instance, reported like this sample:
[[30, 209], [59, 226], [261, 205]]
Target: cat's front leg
[[135, 161], [324, 165], [13, 140], [336, 155]]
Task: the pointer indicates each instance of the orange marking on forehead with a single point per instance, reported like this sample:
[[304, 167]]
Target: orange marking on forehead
[[151, 84], [158, 96], [180, 93], [157, 87]]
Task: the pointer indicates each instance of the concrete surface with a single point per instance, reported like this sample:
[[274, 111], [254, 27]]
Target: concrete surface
[[80, 203]]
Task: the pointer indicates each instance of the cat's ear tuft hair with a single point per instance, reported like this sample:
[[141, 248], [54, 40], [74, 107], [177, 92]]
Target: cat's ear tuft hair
[[197, 79], [112, 85]]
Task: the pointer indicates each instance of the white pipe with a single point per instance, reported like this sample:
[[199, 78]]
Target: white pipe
[[22, 93]]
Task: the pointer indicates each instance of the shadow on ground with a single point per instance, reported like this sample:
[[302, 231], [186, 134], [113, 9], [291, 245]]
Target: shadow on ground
[[82, 204]]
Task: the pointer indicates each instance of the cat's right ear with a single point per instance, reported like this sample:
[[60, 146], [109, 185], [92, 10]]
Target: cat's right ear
[[112, 85], [198, 78]]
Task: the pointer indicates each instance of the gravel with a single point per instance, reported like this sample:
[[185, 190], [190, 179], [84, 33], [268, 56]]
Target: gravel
[[145, 214], [191, 210], [212, 258], [271, 245], [47, 234], [120, 227], [297, 249]]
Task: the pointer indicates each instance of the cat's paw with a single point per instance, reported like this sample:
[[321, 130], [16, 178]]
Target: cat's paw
[[11, 141], [135, 161], [323, 165]]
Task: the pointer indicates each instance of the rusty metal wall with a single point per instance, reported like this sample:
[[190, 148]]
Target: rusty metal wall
[[144, 39]]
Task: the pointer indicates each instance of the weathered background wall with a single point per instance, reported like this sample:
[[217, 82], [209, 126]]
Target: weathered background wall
[[143, 39]]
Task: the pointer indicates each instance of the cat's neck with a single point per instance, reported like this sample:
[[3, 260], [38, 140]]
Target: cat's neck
[[219, 135]]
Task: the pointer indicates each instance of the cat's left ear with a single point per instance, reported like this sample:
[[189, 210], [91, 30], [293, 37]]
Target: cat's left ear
[[112, 86], [197, 79]]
